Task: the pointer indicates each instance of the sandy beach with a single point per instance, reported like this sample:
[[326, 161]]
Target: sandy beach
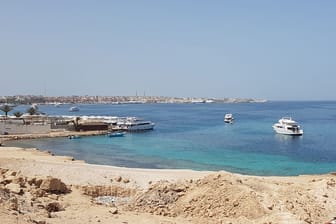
[[39, 187]]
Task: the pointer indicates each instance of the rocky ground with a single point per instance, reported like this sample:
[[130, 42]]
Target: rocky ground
[[213, 198]]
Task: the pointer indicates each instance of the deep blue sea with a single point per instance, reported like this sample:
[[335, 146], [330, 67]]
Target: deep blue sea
[[194, 136]]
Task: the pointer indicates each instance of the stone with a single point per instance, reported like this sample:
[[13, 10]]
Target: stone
[[53, 196], [37, 193], [126, 180], [39, 221], [113, 210], [19, 180], [54, 185], [118, 178], [54, 207], [13, 203], [14, 188]]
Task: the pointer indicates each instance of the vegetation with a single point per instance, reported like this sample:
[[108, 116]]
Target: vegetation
[[33, 110], [6, 108], [17, 114]]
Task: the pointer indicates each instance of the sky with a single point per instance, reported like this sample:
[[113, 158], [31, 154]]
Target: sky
[[275, 50]]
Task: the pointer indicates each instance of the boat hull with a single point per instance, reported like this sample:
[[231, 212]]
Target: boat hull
[[116, 134], [287, 132], [140, 127]]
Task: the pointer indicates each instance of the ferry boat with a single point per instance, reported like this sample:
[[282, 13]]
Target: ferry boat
[[135, 124], [228, 118], [287, 126]]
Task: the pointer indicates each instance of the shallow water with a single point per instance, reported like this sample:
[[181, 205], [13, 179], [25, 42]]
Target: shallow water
[[194, 136]]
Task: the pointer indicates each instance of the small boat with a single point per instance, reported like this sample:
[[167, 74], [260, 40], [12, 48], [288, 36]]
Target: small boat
[[116, 134], [228, 118], [287, 126], [74, 136], [73, 109]]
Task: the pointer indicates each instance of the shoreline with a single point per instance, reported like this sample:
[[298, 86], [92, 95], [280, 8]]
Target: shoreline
[[46, 163], [12, 138], [4, 138]]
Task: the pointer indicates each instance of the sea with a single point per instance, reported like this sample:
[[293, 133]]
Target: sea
[[194, 136]]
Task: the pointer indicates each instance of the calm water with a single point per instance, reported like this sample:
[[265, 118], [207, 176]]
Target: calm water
[[194, 136]]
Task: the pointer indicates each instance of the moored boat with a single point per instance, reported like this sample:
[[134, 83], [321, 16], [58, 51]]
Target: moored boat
[[74, 109], [228, 118], [135, 124], [116, 134], [74, 136], [287, 126]]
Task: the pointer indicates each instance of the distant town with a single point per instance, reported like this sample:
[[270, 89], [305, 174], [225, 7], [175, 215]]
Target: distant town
[[39, 99]]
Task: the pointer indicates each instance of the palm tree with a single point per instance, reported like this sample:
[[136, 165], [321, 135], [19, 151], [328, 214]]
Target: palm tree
[[32, 110], [6, 108], [17, 114]]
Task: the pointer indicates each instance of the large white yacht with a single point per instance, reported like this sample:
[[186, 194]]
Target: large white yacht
[[135, 124], [287, 126], [228, 118]]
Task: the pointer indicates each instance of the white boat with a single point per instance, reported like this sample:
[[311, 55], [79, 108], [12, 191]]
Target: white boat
[[116, 134], [228, 118], [135, 124], [287, 126], [73, 109]]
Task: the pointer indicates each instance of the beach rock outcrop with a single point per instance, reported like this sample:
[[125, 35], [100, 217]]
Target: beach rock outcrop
[[14, 188], [54, 185]]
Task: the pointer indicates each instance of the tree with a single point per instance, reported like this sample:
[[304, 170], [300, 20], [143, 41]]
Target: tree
[[32, 110], [6, 108], [17, 114]]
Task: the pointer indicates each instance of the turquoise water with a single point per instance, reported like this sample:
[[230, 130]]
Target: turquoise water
[[194, 136]]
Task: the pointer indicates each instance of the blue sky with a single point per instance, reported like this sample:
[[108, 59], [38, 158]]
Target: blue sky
[[276, 50]]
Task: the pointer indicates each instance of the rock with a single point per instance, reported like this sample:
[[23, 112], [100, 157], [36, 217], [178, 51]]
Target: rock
[[126, 180], [54, 185], [7, 180], [14, 188], [53, 196], [31, 181], [39, 221], [54, 207], [37, 193], [11, 173], [13, 203], [19, 180], [118, 178], [4, 194], [113, 210]]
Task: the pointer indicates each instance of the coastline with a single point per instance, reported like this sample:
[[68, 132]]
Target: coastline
[[32, 162], [172, 196], [4, 138]]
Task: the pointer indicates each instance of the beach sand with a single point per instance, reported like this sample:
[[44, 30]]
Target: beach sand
[[153, 196]]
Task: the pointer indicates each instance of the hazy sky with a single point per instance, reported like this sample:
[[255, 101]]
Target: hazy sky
[[277, 50]]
